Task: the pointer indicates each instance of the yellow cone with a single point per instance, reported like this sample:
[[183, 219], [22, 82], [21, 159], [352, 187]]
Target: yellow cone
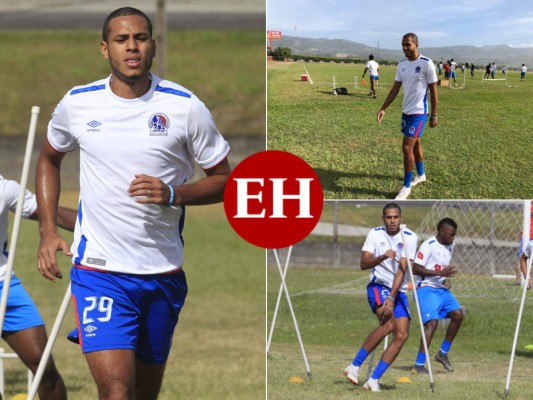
[[529, 347], [404, 379], [296, 379], [20, 396]]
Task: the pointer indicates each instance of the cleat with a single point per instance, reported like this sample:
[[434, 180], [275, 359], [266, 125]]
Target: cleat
[[404, 193], [372, 385], [418, 179], [443, 359], [419, 370], [352, 373]]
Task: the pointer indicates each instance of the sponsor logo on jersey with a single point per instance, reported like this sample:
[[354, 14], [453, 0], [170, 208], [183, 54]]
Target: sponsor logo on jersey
[[158, 124], [94, 124], [420, 255]]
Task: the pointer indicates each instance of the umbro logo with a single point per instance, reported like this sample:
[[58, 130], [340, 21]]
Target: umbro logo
[[94, 124], [90, 328]]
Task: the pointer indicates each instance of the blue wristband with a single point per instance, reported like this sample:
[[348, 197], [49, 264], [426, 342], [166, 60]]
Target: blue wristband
[[171, 198]]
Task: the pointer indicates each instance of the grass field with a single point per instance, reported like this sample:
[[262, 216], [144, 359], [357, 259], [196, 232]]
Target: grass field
[[218, 349], [333, 325], [480, 149]]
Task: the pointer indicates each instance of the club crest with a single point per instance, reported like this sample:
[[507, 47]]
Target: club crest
[[158, 124]]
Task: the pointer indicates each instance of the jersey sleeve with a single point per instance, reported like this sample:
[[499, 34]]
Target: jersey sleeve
[[59, 132], [206, 144], [398, 78], [527, 249], [431, 73], [12, 189], [370, 242], [410, 248], [422, 256]]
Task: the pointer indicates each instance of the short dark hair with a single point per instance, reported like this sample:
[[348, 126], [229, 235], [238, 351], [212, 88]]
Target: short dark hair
[[412, 36], [447, 221], [124, 12], [391, 205], [371, 57]]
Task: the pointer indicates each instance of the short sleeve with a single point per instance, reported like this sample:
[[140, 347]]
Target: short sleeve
[[12, 189], [431, 73], [370, 243], [423, 255], [59, 133]]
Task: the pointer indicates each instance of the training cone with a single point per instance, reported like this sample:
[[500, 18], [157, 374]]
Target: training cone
[[363, 82], [20, 396], [296, 379], [404, 379], [528, 347], [409, 286]]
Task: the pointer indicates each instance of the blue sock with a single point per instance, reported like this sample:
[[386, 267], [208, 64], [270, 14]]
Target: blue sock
[[407, 178], [360, 357], [380, 370], [445, 347], [420, 168], [420, 358]]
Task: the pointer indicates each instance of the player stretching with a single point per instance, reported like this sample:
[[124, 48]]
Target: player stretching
[[383, 252], [436, 301], [416, 74]]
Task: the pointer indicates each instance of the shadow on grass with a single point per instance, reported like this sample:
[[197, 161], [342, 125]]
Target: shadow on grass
[[329, 179]]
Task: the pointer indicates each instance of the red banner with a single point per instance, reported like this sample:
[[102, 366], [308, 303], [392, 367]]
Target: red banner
[[273, 34]]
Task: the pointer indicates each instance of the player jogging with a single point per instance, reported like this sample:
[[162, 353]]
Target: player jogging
[[432, 265], [139, 137], [373, 70], [384, 253], [23, 328], [417, 75]]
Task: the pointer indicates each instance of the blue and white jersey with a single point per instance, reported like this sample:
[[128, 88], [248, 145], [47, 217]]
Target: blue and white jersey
[[415, 77], [377, 242], [527, 249], [9, 193], [433, 256], [162, 134]]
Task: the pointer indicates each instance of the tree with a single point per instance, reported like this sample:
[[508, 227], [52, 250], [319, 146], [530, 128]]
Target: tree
[[281, 53]]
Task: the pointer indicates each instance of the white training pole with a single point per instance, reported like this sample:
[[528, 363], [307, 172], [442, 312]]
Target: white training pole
[[413, 283], [292, 314], [50, 344], [18, 214], [280, 293], [518, 321]]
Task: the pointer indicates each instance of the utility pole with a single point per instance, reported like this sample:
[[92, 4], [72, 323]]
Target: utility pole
[[161, 38]]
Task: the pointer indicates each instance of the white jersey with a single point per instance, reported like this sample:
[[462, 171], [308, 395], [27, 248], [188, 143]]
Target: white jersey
[[523, 69], [160, 134], [9, 193], [528, 248], [378, 242], [373, 67], [433, 256], [415, 77]]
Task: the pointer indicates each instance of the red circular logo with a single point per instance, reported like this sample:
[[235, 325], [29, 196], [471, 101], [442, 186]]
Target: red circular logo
[[273, 199]]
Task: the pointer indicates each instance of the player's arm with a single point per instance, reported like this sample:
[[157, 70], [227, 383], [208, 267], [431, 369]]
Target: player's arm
[[447, 271], [47, 192], [434, 104], [388, 304], [209, 190], [66, 217], [368, 261], [388, 101], [364, 72]]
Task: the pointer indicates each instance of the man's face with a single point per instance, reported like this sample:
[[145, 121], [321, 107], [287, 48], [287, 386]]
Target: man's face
[[446, 234], [410, 48], [392, 219], [129, 48]]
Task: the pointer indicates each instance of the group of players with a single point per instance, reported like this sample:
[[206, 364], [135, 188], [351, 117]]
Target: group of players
[[140, 137]]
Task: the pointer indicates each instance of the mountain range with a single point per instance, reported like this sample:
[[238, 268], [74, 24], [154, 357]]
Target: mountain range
[[501, 54]]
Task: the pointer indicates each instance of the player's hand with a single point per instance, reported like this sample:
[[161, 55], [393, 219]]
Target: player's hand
[[387, 309], [381, 114], [50, 244], [449, 271], [390, 253], [149, 190], [433, 122]]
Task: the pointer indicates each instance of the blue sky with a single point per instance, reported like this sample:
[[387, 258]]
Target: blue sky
[[437, 23]]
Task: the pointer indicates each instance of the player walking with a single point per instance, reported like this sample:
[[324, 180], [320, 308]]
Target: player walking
[[433, 266], [384, 253], [417, 75], [373, 70]]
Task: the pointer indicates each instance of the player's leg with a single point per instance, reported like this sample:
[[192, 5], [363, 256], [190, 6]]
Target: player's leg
[[149, 379], [114, 373], [29, 344], [418, 154], [452, 309], [430, 306]]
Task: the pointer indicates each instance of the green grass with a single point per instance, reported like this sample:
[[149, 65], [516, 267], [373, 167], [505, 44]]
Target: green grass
[[226, 69], [477, 151], [218, 349], [333, 325]]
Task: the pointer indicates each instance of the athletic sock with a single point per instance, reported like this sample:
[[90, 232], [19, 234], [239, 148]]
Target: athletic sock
[[420, 358], [407, 178], [445, 347], [360, 357], [420, 168], [380, 370]]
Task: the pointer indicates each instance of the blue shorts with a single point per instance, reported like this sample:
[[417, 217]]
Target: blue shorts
[[436, 303], [453, 74], [21, 312], [413, 125], [125, 311], [374, 77], [376, 295]]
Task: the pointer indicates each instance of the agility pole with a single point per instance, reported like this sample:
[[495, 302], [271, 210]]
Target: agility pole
[[18, 214]]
